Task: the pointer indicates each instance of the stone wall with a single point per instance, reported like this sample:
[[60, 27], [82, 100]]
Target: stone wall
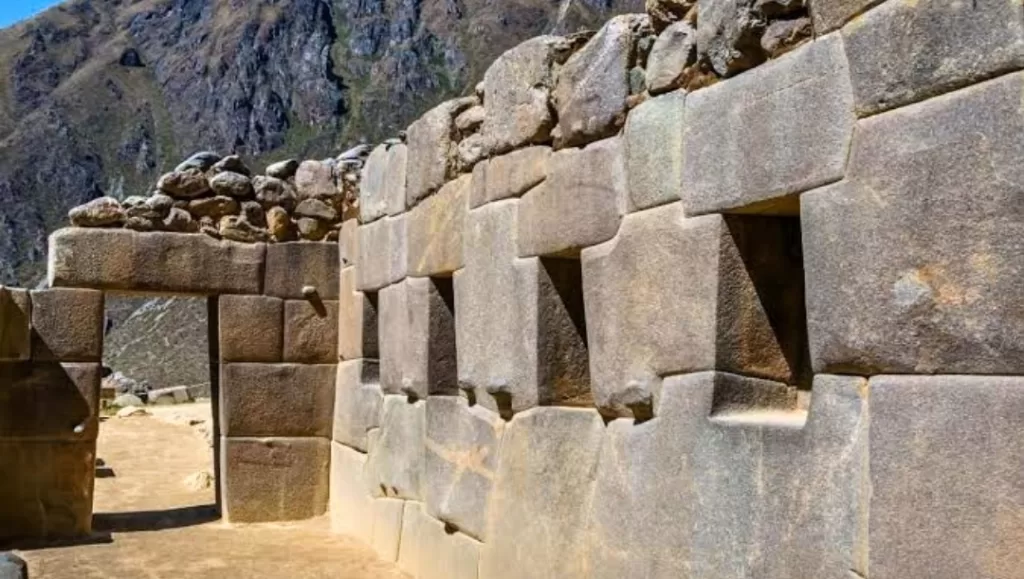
[[756, 315], [660, 301]]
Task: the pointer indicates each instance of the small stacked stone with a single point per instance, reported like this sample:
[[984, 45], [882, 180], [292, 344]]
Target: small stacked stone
[[219, 196]]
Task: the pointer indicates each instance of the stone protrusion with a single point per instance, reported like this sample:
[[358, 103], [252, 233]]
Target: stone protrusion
[[311, 331], [292, 266]]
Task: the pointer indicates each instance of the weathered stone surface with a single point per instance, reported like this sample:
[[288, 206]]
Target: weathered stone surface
[[461, 461], [906, 52], [471, 151], [180, 221], [47, 489], [252, 212], [232, 185], [231, 164], [293, 266], [154, 262], [316, 209], [471, 120], [518, 86], [49, 401], [202, 161], [430, 159], [312, 229], [351, 506], [357, 403], [947, 476], [396, 459], [580, 204], [236, 228], [274, 479], [782, 36], [671, 295], [348, 243], [272, 192], [937, 285], [508, 175], [357, 321], [67, 325], [740, 155], [315, 180], [15, 324], [102, 212], [387, 528], [545, 474], [435, 230], [373, 199], [761, 489], [664, 12], [184, 184], [519, 344], [673, 52], [383, 253], [429, 364], [277, 399], [428, 551], [311, 331], [213, 207], [654, 151], [251, 329], [280, 225], [592, 87], [283, 169], [729, 33]]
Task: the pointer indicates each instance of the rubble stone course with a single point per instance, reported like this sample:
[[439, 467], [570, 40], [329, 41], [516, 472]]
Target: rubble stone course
[[696, 294]]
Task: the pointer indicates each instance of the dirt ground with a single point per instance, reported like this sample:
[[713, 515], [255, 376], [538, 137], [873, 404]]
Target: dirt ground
[[150, 524]]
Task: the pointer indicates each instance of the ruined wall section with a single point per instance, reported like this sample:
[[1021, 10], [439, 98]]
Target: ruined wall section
[[757, 320]]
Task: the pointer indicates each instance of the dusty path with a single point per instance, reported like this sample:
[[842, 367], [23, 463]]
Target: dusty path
[[151, 525]]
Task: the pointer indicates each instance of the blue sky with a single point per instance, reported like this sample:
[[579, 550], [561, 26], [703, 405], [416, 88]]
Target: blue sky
[[12, 11]]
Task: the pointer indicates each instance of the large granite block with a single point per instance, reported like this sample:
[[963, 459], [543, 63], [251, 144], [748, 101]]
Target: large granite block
[[274, 479], [46, 490], [435, 230], [348, 243], [67, 325], [517, 87], [654, 151], [417, 331], [508, 175], [291, 267], [907, 274], [357, 403], [311, 331], [734, 478], [396, 459], [670, 295], [429, 159], [15, 324], [357, 320], [580, 204], [430, 551], [461, 462], [251, 329], [752, 142], [49, 401], [518, 322], [382, 187], [541, 498], [903, 52], [387, 528], [351, 506], [276, 399], [947, 477], [125, 260], [383, 253], [593, 85]]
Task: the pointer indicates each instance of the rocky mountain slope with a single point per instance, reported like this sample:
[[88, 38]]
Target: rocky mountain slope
[[100, 97]]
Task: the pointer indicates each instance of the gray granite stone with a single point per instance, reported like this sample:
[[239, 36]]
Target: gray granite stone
[[753, 142], [509, 175], [654, 151], [907, 274], [274, 479], [277, 399], [357, 403], [518, 90], [435, 230], [396, 459]]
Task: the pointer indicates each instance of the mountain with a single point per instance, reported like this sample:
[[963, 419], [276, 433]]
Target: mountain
[[102, 96]]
